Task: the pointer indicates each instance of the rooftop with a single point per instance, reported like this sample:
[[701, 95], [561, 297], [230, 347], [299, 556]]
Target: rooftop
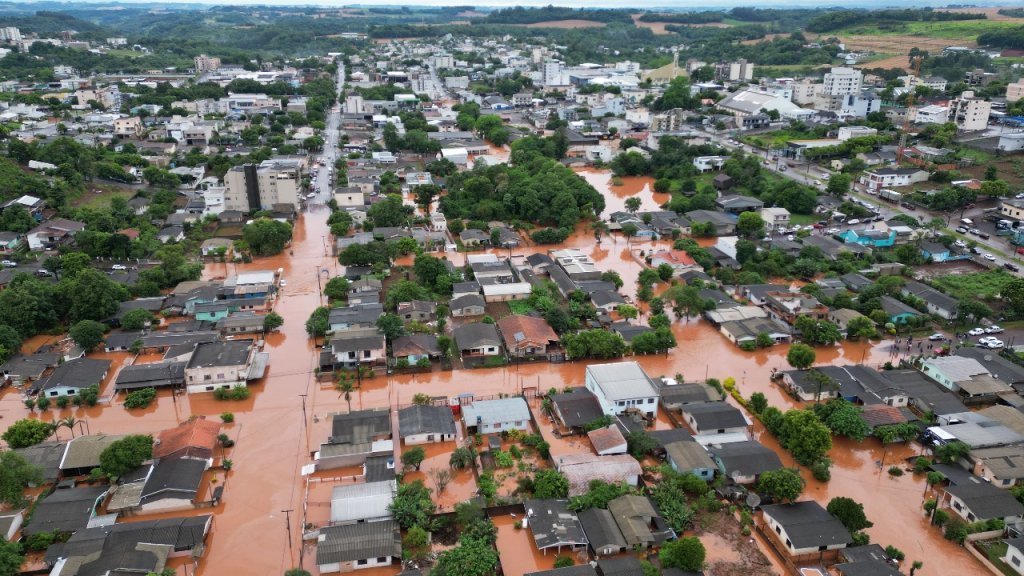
[[622, 380]]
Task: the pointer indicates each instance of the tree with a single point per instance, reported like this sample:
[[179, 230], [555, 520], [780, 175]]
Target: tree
[[27, 432], [11, 558], [994, 188], [550, 483], [757, 403], [87, 333], [92, 295], [782, 485], [686, 553], [416, 544], [640, 444], [337, 288], [472, 557], [412, 505], [140, 398], [750, 225], [15, 475], [849, 512], [10, 342], [461, 458], [137, 319], [952, 452], [843, 418], [860, 327], [267, 237], [632, 204], [800, 356], [626, 312], [564, 561], [317, 324], [126, 454], [413, 457], [345, 386], [297, 572], [391, 326], [817, 332], [839, 185], [806, 438], [272, 321]]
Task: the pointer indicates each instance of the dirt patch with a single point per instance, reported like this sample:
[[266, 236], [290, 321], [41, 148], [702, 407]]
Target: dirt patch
[[900, 62], [767, 38], [896, 45], [659, 27], [730, 553], [566, 24]]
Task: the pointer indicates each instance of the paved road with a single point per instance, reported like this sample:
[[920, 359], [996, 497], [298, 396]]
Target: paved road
[[324, 181]]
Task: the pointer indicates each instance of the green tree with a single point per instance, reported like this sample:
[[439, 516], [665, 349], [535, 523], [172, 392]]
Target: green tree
[[640, 444], [564, 561], [806, 438], [126, 454], [11, 558], [686, 553], [297, 572], [92, 295], [272, 321], [849, 512], [10, 342], [839, 185], [750, 225], [88, 333], [860, 327], [140, 398], [757, 403], [800, 356], [267, 237], [782, 485], [550, 483], [337, 289], [413, 457], [137, 319], [15, 475], [391, 326], [472, 557], [412, 505], [843, 418], [317, 324]]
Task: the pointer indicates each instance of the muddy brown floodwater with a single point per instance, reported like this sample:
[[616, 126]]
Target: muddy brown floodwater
[[273, 441]]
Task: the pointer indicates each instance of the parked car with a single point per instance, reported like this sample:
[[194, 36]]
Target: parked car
[[118, 267], [975, 231], [853, 222], [1011, 267], [976, 251], [962, 229], [9, 263], [993, 329], [976, 331], [960, 244], [993, 344], [990, 257], [937, 336], [834, 231]]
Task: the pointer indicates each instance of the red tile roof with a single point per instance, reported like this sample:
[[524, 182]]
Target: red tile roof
[[535, 332], [196, 437], [607, 438]]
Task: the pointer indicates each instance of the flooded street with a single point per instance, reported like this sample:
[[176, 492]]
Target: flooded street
[[273, 440]]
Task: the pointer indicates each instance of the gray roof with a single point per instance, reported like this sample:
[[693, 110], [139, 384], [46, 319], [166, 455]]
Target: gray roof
[[995, 364], [77, 373], [808, 525], [620, 566], [689, 456], [577, 570], [577, 407], [467, 301], [357, 343], [46, 456], [84, 451], [985, 500], [747, 458], [150, 375], [133, 547], [31, 365], [360, 541], [600, 528], [494, 411], [226, 353], [362, 501], [174, 478], [715, 415], [553, 524], [894, 307], [931, 295], [418, 419], [475, 335], [360, 426], [621, 380], [356, 314], [868, 568], [606, 298], [65, 510]]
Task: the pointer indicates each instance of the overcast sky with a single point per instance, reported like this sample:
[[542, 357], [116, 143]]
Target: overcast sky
[[649, 5]]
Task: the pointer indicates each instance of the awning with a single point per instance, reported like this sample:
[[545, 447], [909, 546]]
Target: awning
[[258, 366]]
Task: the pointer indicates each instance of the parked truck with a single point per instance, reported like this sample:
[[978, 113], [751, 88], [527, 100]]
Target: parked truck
[[890, 195]]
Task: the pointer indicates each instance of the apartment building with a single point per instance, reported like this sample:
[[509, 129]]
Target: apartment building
[[250, 187], [206, 64], [969, 113], [842, 81]]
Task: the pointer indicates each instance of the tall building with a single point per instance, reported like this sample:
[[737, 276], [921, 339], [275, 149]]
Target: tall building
[[842, 81], [969, 113], [552, 73], [10, 34], [1014, 91], [206, 64], [741, 71], [250, 187]]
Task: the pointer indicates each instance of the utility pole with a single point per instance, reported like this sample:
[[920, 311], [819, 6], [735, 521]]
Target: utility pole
[[288, 525], [303, 396]]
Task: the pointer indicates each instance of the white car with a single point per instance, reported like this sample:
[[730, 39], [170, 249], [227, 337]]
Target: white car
[[993, 344], [976, 331], [9, 263], [833, 231], [118, 267], [283, 282], [990, 257], [853, 222], [993, 329], [790, 238], [937, 336], [960, 244], [311, 195], [1019, 196]]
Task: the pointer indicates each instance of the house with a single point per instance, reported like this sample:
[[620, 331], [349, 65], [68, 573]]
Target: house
[[855, 282], [821, 383], [898, 312], [870, 238], [679, 260], [641, 525], [219, 247], [20, 368], [417, 311], [1015, 554], [150, 375], [354, 348], [467, 305], [603, 535], [744, 462], [842, 317], [787, 306], [506, 291], [82, 454], [527, 336], [45, 456], [477, 339], [354, 316], [226, 364], [65, 510], [580, 469], [737, 203], [489, 416], [1003, 466], [724, 225], [620, 386], [690, 458], [242, 323], [9, 242], [775, 218], [474, 237], [938, 303], [966, 376], [805, 528], [879, 178], [708, 163], [415, 347], [420, 424], [1008, 371], [935, 252], [52, 233], [978, 500], [194, 439], [71, 377], [553, 526], [606, 300], [362, 502], [748, 329], [710, 418], [607, 440], [172, 484], [171, 234], [10, 523], [673, 395], [351, 547], [576, 408], [355, 437]]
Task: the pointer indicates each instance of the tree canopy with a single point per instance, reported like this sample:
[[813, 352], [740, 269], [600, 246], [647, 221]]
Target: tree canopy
[[27, 432], [126, 454]]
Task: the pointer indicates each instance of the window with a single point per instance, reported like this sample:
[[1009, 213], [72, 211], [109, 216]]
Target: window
[[366, 353], [362, 562], [209, 388], [430, 437], [957, 505], [778, 530], [220, 376], [519, 423], [206, 376], [382, 559], [1015, 560], [620, 403]]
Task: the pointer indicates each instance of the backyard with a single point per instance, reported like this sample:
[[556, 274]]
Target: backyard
[[984, 285]]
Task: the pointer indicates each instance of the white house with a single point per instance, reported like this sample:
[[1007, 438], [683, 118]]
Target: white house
[[978, 500], [497, 415], [622, 385], [351, 547], [362, 502], [775, 217], [892, 177], [805, 528], [932, 114], [1015, 554], [426, 424], [708, 163]]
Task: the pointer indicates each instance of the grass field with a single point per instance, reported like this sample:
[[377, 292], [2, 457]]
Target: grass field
[[776, 139], [90, 199], [953, 30], [985, 285]]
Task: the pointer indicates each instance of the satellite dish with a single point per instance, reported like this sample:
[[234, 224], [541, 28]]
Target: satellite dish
[[753, 500]]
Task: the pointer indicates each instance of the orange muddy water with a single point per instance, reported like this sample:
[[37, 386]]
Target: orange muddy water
[[273, 440]]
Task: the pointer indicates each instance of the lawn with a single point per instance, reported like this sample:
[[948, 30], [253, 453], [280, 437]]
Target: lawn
[[520, 307], [984, 285], [101, 200], [777, 138], [953, 30], [995, 552]]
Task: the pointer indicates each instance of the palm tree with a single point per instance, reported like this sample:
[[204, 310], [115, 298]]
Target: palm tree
[[599, 228], [344, 388], [70, 422]]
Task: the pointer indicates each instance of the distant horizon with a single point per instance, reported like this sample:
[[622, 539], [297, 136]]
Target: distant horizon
[[678, 5]]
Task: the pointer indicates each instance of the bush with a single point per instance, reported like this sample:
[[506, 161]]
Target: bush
[[895, 471], [956, 530], [140, 398], [43, 403], [503, 459], [822, 470], [227, 417], [236, 393], [63, 401]]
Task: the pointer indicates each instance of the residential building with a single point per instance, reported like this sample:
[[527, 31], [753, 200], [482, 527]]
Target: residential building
[[715, 418], [938, 303], [1014, 91], [355, 348], [966, 376], [362, 502], [252, 187], [580, 469], [527, 336], [204, 64], [355, 437], [495, 416], [226, 364], [842, 81], [607, 440], [620, 386], [423, 424], [603, 535], [477, 339], [932, 114], [880, 178], [71, 377], [415, 347], [51, 234], [68, 510], [1015, 554], [576, 408], [351, 547], [640, 524], [968, 112], [690, 458], [553, 526], [805, 528], [775, 218], [977, 500], [744, 462]]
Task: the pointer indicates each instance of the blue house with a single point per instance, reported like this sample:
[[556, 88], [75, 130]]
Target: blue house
[[934, 251], [872, 238], [214, 311], [898, 312]]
